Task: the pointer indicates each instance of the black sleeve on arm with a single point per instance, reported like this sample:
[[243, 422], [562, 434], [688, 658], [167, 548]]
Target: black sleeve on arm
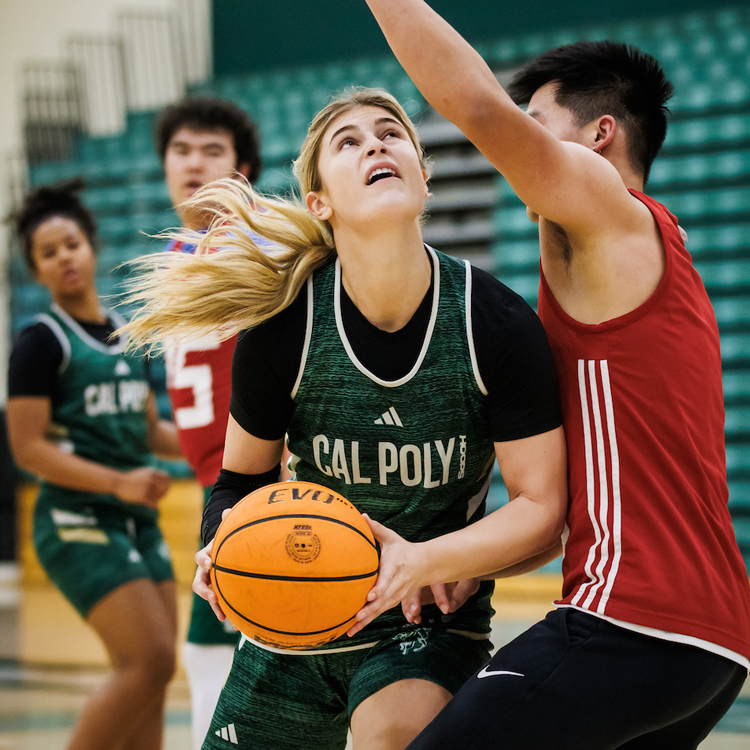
[[34, 362], [264, 369], [515, 361], [229, 489]]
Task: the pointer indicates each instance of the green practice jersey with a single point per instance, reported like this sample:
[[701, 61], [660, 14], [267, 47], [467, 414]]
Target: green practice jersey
[[415, 454], [98, 403]]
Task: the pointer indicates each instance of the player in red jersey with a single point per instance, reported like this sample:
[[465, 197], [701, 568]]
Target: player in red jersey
[[201, 140], [650, 642]]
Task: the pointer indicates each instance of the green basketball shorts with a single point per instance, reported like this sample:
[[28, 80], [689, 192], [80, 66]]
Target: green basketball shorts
[[205, 628], [90, 552], [275, 701]]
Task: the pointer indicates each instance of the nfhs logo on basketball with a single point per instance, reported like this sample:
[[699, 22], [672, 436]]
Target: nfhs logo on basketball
[[292, 565], [303, 545]]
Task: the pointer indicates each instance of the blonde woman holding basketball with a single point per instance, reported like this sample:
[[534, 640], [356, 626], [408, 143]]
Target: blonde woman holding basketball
[[400, 374]]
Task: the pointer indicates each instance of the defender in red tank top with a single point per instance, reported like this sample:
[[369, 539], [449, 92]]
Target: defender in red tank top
[[644, 417], [650, 642]]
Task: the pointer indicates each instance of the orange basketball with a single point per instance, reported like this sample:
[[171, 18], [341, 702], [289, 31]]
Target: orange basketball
[[292, 564]]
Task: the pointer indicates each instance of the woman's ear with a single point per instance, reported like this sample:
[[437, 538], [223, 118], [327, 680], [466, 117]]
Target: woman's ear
[[317, 206]]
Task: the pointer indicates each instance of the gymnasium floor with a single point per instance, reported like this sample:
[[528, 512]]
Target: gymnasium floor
[[50, 661]]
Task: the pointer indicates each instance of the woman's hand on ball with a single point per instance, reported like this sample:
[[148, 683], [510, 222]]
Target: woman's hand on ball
[[400, 577], [202, 581]]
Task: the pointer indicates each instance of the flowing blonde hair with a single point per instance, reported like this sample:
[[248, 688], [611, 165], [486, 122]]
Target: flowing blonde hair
[[183, 296]]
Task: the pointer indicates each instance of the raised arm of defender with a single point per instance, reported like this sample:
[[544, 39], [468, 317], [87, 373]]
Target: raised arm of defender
[[600, 250], [554, 179]]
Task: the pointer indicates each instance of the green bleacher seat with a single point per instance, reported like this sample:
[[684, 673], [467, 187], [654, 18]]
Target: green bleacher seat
[[738, 421], [106, 200], [44, 173], [153, 222], [30, 297], [115, 230], [739, 496], [724, 275], [501, 53], [714, 94], [714, 167], [152, 195], [721, 239], [701, 133], [732, 312], [736, 386], [738, 461], [513, 223], [698, 204], [516, 256], [735, 349], [276, 180]]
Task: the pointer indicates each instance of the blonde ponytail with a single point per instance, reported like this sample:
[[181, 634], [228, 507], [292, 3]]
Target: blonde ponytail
[[182, 296]]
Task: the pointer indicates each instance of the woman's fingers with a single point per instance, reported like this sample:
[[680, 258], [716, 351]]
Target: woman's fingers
[[461, 591], [441, 596], [411, 606], [202, 580]]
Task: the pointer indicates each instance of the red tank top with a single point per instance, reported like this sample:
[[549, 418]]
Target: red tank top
[[199, 381], [649, 538]]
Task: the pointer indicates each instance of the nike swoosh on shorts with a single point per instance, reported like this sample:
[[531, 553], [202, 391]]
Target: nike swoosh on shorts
[[486, 673]]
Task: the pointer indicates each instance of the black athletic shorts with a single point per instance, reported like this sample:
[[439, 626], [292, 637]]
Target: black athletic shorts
[[576, 682]]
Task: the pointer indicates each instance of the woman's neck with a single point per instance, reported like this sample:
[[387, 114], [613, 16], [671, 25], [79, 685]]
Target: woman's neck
[[84, 306], [386, 275]]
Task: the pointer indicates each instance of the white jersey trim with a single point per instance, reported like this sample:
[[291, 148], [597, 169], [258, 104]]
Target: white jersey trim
[[359, 647], [427, 338], [59, 334], [116, 319], [476, 501], [470, 332], [310, 652], [308, 336], [665, 635], [607, 538]]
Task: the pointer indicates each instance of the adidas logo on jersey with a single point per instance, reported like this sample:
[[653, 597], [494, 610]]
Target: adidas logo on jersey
[[227, 733], [122, 367], [390, 417]]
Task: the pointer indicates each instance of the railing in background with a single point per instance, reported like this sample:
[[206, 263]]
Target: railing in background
[[194, 20], [99, 60], [153, 58], [149, 61], [52, 109]]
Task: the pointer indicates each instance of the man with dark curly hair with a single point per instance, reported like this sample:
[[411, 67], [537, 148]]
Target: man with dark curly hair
[[199, 140]]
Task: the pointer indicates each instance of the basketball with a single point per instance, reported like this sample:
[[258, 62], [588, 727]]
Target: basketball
[[292, 564]]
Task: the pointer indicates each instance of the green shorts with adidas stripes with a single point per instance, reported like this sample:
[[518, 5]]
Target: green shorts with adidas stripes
[[274, 701], [205, 628], [91, 550]]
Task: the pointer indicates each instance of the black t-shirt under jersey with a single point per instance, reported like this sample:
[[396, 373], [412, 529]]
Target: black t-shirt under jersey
[[38, 354], [513, 356]]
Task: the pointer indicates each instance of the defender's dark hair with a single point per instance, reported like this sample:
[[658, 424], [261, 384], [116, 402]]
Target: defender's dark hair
[[605, 78], [47, 201], [202, 113]]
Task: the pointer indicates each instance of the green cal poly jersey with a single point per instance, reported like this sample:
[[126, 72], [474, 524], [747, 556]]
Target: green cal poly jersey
[[98, 403], [415, 454]]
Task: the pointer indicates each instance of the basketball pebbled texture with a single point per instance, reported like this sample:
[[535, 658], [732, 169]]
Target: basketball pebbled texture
[[292, 565]]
